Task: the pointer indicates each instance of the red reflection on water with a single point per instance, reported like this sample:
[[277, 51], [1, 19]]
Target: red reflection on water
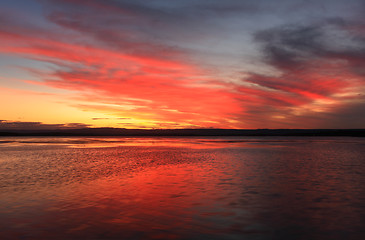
[[307, 189], [101, 142], [159, 201]]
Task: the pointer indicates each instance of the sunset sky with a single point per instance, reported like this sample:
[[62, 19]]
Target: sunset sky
[[182, 63]]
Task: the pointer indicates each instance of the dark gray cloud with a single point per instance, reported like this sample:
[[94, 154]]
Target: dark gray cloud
[[308, 54], [294, 45], [290, 45], [321, 75], [16, 125]]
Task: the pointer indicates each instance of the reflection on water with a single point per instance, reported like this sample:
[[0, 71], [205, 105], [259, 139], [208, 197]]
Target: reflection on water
[[182, 188]]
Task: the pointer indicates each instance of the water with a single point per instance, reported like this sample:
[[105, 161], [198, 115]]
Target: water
[[182, 188]]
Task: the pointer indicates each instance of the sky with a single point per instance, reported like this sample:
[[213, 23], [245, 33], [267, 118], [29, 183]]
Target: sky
[[182, 64]]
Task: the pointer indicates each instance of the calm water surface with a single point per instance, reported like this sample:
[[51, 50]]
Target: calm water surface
[[182, 188]]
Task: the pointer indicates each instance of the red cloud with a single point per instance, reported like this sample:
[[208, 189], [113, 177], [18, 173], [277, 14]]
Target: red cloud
[[149, 88]]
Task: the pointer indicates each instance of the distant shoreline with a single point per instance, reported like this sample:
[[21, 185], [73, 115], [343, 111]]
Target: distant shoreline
[[182, 132]]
